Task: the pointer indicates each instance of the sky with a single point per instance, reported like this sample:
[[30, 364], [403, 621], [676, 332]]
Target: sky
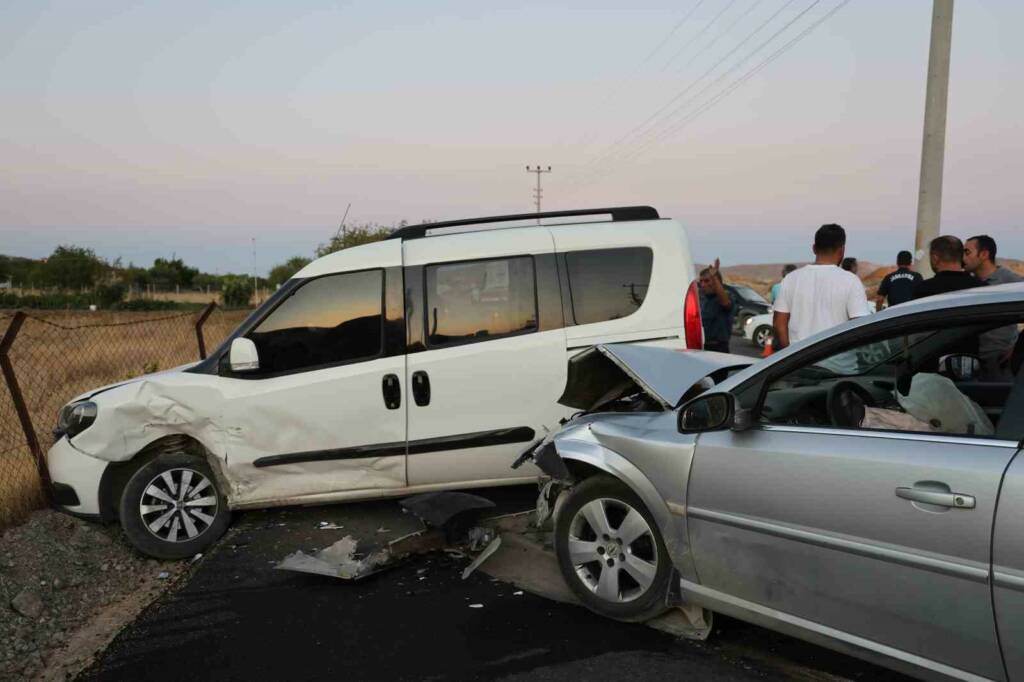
[[146, 129]]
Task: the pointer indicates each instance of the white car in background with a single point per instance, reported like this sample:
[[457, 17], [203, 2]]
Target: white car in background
[[759, 329], [426, 361]]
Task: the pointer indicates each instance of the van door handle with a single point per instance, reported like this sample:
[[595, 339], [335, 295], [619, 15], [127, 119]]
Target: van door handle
[[392, 390], [421, 388], [941, 499]]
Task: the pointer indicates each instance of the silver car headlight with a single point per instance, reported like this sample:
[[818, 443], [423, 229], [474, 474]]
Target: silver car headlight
[[75, 418]]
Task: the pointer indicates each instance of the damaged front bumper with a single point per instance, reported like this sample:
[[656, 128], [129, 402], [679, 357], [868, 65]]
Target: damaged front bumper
[[73, 470]]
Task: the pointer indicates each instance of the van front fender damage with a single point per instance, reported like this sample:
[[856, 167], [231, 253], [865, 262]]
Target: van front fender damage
[[131, 417]]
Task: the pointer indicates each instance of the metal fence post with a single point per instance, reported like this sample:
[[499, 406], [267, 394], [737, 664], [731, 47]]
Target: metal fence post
[[18, 398], [200, 321]]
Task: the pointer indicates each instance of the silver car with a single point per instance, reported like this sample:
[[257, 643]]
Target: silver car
[[861, 489]]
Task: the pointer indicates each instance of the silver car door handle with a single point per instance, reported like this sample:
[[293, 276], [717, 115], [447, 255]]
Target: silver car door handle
[[958, 500]]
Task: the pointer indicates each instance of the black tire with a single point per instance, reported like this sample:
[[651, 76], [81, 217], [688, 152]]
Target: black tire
[[762, 334], [634, 603], [194, 510]]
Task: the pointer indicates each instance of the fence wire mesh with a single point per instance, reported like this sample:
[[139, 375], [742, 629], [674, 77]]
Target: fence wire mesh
[[58, 355]]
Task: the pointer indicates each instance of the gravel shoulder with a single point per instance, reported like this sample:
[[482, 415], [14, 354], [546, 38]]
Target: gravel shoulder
[[67, 587]]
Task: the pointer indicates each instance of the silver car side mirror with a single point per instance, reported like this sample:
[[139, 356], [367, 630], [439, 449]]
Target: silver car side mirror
[[242, 355], [712, 412]]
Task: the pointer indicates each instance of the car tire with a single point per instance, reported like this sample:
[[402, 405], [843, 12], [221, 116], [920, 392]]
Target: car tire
[[762, 334], [166, 522], [625, 578]]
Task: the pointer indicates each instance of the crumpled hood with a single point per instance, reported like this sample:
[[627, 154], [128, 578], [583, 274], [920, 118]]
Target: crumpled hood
[[95, 391], [607, 372]]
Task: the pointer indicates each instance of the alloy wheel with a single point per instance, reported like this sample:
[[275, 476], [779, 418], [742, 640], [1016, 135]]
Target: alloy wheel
[[613, 550], [761, 336], [178, 505]]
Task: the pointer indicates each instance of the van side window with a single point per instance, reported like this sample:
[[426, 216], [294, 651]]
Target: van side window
[[480, 300], [608, 284], [328, 321]]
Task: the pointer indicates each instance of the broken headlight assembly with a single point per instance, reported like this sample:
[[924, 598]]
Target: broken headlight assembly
[[75, 418]]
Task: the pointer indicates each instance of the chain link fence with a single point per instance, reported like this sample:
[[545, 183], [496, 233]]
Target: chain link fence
[[49, 357]]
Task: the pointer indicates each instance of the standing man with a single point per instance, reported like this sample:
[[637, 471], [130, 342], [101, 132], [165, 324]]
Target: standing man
[[995, 347], [716, 310], [773, 293], [980, 261], [947, 257], [821, 295], [898, 286]]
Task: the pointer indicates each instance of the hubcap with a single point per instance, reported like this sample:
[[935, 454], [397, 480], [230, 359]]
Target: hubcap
[[613, 550], [762, 337], [178, 505]]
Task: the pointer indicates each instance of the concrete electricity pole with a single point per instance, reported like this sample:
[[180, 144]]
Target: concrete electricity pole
[[537, 193], [929, 198]]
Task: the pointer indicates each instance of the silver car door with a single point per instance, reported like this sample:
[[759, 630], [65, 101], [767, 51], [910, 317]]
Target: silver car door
[[882, 535]]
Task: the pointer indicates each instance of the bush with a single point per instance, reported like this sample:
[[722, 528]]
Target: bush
[[109, 295], [236, 292]]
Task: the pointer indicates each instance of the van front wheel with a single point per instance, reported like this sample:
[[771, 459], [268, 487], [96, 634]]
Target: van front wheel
[[171, 508]]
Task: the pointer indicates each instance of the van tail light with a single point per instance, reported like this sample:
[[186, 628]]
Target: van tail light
[[693, 327]]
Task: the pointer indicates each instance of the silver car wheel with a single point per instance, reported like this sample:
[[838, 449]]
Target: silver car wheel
[[761, 336], [613, 550], [178, 505]]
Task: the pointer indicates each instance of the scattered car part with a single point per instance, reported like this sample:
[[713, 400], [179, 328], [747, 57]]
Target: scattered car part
[[490, 549], [338, 560]]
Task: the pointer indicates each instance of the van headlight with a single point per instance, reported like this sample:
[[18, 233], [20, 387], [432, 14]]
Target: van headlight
[[75, 418]]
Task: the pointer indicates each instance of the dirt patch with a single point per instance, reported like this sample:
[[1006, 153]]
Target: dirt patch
[[66, 588]]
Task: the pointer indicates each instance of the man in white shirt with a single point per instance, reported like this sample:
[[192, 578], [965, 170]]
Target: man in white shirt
[[818, 296]]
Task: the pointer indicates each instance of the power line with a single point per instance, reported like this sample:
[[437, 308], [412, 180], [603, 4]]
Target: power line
[[618, 88], [704, 30], [659, 117], [673, 130]]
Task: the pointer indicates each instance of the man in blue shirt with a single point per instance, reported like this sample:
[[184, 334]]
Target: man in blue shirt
[[774, 292], [716, 310]]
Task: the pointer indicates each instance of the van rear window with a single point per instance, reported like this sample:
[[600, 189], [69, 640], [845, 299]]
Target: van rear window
[[608, 284]]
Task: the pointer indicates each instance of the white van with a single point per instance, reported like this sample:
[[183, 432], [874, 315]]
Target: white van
[[426, 361]]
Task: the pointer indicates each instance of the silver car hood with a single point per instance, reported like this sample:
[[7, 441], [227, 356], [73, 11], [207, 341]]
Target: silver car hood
[[605, 373]]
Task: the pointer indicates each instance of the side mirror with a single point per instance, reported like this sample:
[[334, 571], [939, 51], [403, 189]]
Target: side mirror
[[713, 412], [959, 367], [242, 355]]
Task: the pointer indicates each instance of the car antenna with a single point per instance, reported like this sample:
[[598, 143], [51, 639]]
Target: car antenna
[[341, 228]]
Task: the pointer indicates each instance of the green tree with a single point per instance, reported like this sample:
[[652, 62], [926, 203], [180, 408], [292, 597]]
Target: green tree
[[167, 274], [73, 267], [355, 236], [236, 291], [282, 273]]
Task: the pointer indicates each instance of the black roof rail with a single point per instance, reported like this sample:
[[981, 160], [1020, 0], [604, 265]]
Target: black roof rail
[[618, 213]]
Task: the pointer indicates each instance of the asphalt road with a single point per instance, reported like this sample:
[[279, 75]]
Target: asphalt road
[[237, 618]]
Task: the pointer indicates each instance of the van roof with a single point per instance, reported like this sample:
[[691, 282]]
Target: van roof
[[617, 213]]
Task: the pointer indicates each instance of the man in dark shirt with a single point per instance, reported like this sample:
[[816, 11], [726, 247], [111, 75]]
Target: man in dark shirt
[[716, 310], [947, 258], [898, 286]]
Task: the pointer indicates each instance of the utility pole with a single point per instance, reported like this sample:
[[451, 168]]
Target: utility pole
[[255, 285], [538, 193], [929, 198]]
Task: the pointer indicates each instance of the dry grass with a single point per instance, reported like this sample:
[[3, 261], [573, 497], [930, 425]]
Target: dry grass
[[58, 355]]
